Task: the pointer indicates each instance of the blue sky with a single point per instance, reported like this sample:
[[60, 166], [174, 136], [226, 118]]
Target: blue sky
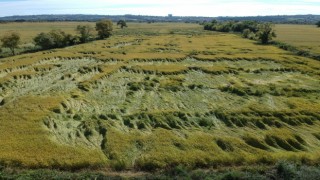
[[160, 7]]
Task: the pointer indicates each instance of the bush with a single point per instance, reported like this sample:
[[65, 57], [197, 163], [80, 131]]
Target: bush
[[233, 175], [306, 172], [246, 33], [53, 174], [54, 39], [178, 171], [228, 26], [286, 171], [118, 165]]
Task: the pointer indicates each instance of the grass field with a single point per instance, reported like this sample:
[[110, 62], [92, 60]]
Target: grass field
[[304, 37], [28, 30], [156, 96]]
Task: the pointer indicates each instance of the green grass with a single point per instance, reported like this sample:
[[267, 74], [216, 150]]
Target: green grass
[[31, 29], [300, 36], [151, 100], [282, 170]]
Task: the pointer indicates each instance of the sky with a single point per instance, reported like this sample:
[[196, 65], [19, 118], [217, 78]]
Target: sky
[[211, 8]]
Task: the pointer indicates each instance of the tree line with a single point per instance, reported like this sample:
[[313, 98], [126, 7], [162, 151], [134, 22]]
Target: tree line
[[254, 30], [59, 38], [249, 29]]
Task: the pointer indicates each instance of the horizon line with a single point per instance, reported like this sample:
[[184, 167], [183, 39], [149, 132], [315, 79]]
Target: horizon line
[[157, 15]]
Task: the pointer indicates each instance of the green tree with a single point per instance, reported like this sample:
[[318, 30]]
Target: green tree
[[85, 32], [211, 26], [11, 41], [122, 23], [104, 28], [44, 40], [246, 33], [243, 25], [318, 23], [54, 39], [265, 33], [60, 38]]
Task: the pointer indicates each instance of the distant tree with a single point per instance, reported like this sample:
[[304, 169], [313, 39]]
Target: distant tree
[[214, 21], [11, 41], [265, 33], [60, 38], [318, 23], [70, 40], [54, 39], [122, 24], [207, 26], [246, 33], [44, 40], [211, 26], [224, 27], [85, 32], [242, 25], [104, 28]]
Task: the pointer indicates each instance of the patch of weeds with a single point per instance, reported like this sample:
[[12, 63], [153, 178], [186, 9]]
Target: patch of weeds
[[233, 175], [286, 170], [119, 165]]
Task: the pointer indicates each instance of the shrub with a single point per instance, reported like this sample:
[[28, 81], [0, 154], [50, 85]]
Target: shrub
[[233, 175], [178, 171], [246, 33], [307, 172], [118, 165], [285, 170], [54, 39]]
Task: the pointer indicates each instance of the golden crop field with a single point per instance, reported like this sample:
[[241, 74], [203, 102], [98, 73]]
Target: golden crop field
[[158, 95], [305, 37]]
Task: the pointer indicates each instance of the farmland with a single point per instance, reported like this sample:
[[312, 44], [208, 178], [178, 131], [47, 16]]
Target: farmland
[[302, 36], [157, 95], [28, 30]]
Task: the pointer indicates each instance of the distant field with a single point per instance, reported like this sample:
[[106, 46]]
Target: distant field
[[29, 30], [305, 37]]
